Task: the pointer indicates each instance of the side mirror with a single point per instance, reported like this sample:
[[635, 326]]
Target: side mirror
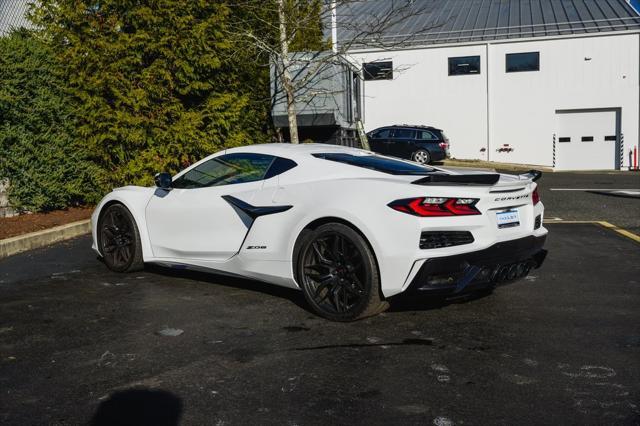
[[163, 180]]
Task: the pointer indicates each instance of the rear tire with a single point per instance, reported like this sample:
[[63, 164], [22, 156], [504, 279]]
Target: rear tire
[[119, 239], [422, 156], [338, 273]]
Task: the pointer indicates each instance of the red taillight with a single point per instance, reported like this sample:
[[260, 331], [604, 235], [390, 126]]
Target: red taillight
[[436, 206], [535, 196], [444, 145]]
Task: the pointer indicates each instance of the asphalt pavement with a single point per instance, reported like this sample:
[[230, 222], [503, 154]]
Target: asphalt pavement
[[81, 344], [602, 196]]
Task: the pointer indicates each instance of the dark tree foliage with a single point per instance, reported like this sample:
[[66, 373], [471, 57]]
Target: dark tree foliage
[[157, 82], [305, 25], [39, 154]]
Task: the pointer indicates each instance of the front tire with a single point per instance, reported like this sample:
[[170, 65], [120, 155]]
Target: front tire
[[338, 273], [119, 239], [422, 156]]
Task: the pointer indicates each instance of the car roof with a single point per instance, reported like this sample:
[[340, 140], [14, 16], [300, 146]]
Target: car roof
[[293, 151], [409, 126]]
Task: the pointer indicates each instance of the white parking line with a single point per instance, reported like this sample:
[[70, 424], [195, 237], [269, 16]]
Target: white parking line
[[626, 192], [633, 190]]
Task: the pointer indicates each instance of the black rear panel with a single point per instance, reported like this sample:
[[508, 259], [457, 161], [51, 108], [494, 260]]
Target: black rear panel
[[439, 239], [487, 179]]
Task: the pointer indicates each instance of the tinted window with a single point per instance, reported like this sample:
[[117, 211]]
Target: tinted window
[[462, 65], [279, 166], [378, 163], [378, 70], [517, 62], [381, 134], [226, 170], [426, 135], [404, 134]]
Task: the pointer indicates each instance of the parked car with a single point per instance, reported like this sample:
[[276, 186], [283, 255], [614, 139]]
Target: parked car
[[347, 227], [422, 144]]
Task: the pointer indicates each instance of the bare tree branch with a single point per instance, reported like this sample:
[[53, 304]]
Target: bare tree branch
[[301, 74]]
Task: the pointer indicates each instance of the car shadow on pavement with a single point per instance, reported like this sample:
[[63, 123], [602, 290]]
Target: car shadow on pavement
[[403, 302], [139, 407], [295, 296], [423, 302]]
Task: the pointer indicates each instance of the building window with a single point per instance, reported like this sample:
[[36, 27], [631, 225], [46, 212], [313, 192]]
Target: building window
[[517, 62], [462, 65], [378, 70]]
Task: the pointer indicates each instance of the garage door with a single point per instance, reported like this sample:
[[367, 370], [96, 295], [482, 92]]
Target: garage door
[[586, 140]]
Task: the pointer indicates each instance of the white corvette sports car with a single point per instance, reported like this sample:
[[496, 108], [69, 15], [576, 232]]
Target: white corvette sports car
[[348, 227]]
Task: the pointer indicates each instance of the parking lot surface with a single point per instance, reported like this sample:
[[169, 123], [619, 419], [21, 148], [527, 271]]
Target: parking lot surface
[[79, 343], [607, 196]]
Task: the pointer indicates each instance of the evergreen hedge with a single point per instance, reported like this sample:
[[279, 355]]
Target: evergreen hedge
[[39, 153], [108, 93], [155, 82]]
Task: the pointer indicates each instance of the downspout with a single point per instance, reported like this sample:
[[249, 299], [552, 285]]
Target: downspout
[[488, 103]]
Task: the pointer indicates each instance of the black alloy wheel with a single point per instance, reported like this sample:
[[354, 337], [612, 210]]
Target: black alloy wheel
[[119, 239], [338, 274]]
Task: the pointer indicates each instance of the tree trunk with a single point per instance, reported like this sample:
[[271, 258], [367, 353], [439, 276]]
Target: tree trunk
[[286, 75]]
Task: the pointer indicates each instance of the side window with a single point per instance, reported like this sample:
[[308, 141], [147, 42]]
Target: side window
[[381, 134], [426, 135], [226, 170], [404, 134], [279, 166]]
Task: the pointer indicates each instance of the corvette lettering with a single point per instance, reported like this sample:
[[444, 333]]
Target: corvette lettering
[[519, 197]]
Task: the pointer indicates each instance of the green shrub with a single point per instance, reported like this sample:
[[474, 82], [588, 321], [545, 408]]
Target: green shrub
[[39, 153], [156, 82]]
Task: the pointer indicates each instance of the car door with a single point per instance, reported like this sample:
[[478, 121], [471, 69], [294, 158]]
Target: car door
[[193, 220], [402, 143], [379, 140]]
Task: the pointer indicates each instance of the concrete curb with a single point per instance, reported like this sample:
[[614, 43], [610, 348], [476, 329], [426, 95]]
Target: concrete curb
[[14, 245]]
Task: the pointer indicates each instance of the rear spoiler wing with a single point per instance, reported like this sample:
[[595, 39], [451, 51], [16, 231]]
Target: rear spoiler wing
[[487, 179], [484, 179], [534, 175]]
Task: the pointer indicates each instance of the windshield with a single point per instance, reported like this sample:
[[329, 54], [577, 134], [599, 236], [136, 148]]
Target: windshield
[[377, 163]]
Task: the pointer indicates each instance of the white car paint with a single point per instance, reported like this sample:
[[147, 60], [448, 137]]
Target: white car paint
[[197, 228]]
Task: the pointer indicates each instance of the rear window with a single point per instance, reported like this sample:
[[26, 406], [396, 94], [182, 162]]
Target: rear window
[[377, 163], [427, 135]]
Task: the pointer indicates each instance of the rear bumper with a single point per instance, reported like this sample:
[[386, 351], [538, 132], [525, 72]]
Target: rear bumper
[[437, 155], [501, 263]]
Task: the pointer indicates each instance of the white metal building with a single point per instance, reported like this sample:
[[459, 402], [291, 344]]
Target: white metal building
[[551, 83]]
